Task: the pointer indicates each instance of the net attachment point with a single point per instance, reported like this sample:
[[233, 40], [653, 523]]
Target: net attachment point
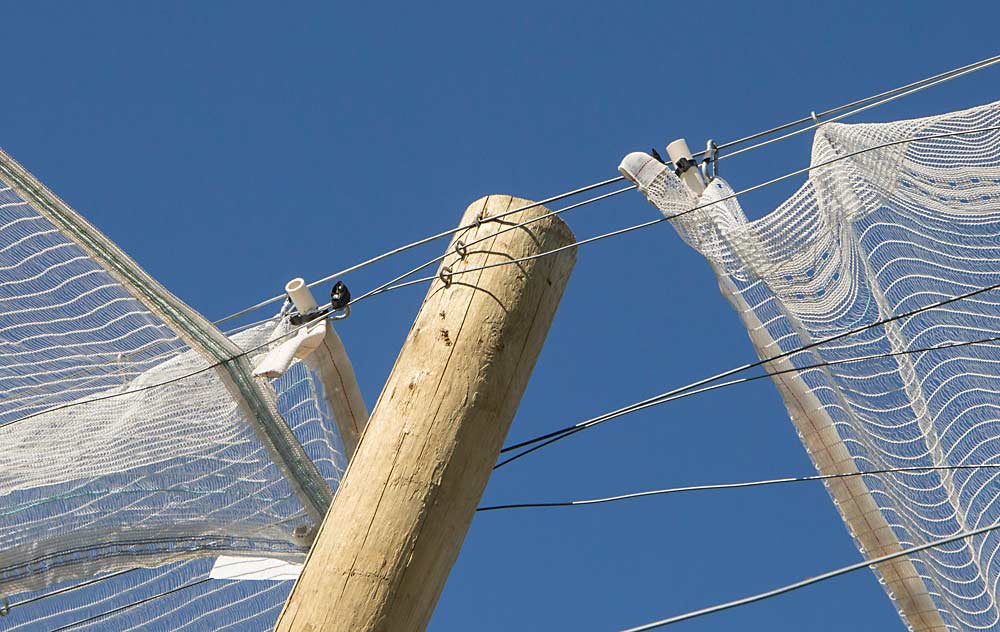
[[710, 163], [339, 307]]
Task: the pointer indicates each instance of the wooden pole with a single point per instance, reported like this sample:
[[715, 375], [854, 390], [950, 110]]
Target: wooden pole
[[384, 551]]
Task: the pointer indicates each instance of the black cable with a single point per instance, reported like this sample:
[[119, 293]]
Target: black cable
[[741, 485], [67, 589], [131, 605], [692, 389]]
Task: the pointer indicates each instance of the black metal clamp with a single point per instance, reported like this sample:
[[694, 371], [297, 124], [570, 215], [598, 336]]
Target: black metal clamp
[[340, 301]]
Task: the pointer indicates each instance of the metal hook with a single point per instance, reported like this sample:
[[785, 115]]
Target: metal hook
[[710, 161], [341, 314], [461, 249], [445, 275]]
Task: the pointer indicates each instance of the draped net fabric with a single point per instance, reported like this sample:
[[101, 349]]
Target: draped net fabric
[[866, 238], [133, 433]]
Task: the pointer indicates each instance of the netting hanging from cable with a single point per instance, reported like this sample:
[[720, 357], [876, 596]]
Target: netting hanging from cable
[[867, 238], [135, 433]]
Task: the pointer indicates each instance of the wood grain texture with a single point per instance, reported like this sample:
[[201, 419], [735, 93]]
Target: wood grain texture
[[384, 551]]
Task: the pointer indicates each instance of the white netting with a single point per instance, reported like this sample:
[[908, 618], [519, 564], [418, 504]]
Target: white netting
[[133, 432], [866, 238]]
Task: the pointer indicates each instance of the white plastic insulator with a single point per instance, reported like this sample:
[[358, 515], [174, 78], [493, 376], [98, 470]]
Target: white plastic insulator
[[692, 177], [301, 296]]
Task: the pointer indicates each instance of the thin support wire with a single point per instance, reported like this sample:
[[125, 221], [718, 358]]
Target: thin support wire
[[740, 485], [465, 246], [866, 103], [970, 69], [699, 207], [684, 392], [614, 233], [816, 118], [419, 242], [67, 589], [113, 611], [812, 580]]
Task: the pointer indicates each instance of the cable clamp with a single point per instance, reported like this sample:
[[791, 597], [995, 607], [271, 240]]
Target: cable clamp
[[461, 249], [339, 307], [815, 118], [683, 165], [710, 163], [340, 301]]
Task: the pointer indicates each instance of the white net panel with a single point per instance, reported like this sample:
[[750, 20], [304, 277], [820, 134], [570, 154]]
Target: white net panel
[[134, 433], [866, 238], [178, 596]]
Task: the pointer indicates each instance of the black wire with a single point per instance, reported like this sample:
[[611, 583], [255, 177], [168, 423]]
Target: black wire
[[669, 396], [131, 605], [741, 485], [67, 589]]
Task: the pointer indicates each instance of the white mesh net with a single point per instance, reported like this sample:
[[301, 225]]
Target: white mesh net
[[868, 237], [134, 433]]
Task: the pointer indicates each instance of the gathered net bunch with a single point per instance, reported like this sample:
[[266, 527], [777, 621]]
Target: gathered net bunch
[[134, 433], [868, 237]]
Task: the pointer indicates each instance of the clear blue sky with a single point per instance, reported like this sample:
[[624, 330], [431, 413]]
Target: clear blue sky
[[229, 146]]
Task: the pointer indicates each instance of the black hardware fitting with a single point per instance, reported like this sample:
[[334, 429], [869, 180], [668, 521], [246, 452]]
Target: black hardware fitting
[[683, 165], [340, 296]]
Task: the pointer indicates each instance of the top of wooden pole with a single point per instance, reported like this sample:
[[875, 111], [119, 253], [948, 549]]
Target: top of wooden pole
[[397, 523]]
